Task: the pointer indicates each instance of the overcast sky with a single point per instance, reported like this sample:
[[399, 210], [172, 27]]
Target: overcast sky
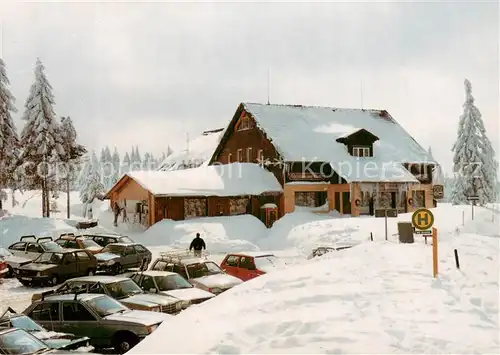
[[147, 74]]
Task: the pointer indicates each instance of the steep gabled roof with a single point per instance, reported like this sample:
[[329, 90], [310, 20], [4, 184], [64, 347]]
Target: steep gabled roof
[[309, 132]]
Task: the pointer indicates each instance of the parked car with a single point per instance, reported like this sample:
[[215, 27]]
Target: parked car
[[104, 320], [247, 266], [104, 239], [171, 284], [71, 241], [319, 251], [54, 267], [12, 319], [27, 249], [14, 341], [115, 258], [4, 266], [122, 289], [201, 273]]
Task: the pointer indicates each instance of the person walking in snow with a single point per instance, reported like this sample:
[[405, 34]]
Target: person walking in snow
[[197, 244], [116, 210]]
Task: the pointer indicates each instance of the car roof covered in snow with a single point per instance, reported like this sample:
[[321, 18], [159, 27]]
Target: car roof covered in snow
[[99, 278], [71, 296], [253, 254], [124, 244], [154, 273]]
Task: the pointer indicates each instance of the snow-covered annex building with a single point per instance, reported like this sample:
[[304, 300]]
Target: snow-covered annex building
[[275, 159]]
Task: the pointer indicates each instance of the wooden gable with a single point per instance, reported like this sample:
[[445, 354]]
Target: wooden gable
[[360, 138]]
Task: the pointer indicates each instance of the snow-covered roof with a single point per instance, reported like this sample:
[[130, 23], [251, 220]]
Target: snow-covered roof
[[196, 153], [215, 180], [370, 169], [310, 132]]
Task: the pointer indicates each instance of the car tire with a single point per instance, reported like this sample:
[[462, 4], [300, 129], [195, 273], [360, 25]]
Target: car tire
[[10, 273], [124, 341], [91, 272], [54, 280], [118, 269], [25, 283]]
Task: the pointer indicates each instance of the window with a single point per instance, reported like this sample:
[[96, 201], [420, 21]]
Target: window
[[239, 156], [260, 155], [249, 155], [136, 278], [72, 244], [181, 270], [361, 151], [61, 242], [75, 312], [160, 266], [247, 263], [232, 260], [34, 248], [48, 311], [18, 246], [69, 258], [129, 251], [82, 256], [244, 124], [140, 249], [148, 283], [229, 158]]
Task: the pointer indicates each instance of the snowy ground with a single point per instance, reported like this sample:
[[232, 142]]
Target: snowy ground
[[377, 297]]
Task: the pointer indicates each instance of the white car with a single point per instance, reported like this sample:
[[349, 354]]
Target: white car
[[171, 284], [200, 272]]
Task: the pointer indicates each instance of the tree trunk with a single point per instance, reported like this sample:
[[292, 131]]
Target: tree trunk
[[47, 201], [67, 198], [44, 214]]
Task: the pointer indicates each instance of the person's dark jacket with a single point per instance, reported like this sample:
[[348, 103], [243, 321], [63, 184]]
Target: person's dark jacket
[[197, 244]]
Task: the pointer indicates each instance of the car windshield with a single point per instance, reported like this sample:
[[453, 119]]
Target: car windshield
[[203, 269], [265, 262], [114, 248], [49, 258], [125, 240], [123, 289], [172, 282], [50, 245], [88, 243], [19, 342], [26, 323], [105, 306]]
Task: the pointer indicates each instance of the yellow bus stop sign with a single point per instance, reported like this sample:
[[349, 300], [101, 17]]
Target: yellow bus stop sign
[[422, 219]]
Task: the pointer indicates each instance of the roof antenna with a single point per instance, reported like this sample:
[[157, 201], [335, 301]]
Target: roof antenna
[[361, 91], [268, 86]]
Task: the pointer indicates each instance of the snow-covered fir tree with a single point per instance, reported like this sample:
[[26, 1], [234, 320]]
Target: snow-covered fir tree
[[474, 162], [91, 188], [9, 139], [125, 168], [169, 152], [146, 162], [135, 159], [41, 140], [115, 176]]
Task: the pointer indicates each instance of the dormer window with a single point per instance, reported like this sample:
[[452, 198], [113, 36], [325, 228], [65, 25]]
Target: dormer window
[[361, 151]]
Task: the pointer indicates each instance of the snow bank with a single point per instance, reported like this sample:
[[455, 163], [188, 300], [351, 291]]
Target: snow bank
[[373, 298], [221, 234]]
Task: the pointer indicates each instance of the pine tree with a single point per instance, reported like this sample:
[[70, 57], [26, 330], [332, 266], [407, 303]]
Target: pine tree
[[136, 163], [73, 153], [108, 168], [169, 152], [126, 164], [92, 188], [474, 161], [146, 162], [41, 140], [115, 176], [9, 139]]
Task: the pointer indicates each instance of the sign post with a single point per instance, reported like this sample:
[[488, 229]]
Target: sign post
[[434, 252], [386, 212], [472, 199], [423, 221]]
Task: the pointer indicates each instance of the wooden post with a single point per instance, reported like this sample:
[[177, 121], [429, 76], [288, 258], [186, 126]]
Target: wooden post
[[457, 262], [463, 218], [472, 204], [385, 223], [371, 236], [434, 252]]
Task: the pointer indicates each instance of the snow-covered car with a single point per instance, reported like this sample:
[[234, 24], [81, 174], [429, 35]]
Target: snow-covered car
[[72, 241], [28, 249], [14, 341], [115, 258], [247, 266], [319, 251], [200, 272], [120, 288], [12, 319], [171, 284], [104, 320], [104, 239], [4, 266]]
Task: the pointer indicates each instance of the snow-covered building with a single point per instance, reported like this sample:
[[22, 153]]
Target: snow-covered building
[[216, 190], [197, 152], [354, 161]]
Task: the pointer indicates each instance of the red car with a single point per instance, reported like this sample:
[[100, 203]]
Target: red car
[[4, 269], [247, 266]]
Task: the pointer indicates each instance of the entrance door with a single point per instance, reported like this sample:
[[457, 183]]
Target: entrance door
[[393, 199], [337, 201], [346, 202]]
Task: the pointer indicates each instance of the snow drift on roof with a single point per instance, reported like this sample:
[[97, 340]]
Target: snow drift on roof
[[372, 170], [197, 153], [309, 133], [215, 180]]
